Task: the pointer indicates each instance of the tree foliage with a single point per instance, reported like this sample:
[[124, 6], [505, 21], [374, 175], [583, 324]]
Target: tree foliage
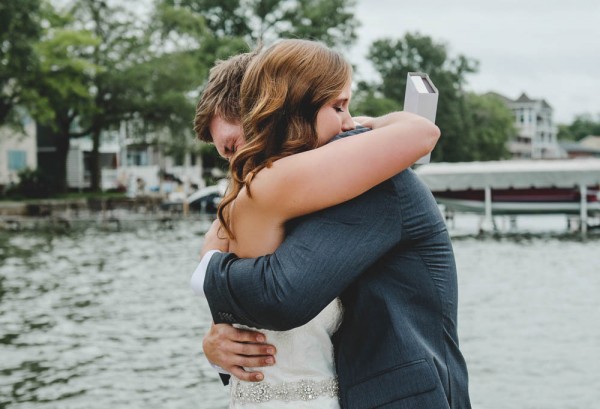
[[582, 126], [254, 21], [84, 68], [119, 46], [20, 29], [367, 101], [461, 117], [492, 125], [105, 70], [63, 82]]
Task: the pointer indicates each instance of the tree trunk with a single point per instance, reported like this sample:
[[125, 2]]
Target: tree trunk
[[95, 169], [62, 152], [4, 111]]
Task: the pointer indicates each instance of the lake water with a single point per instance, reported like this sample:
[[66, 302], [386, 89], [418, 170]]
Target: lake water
[[98, 319]]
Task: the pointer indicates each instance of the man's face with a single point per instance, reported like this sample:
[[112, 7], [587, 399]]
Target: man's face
[[227, 136]]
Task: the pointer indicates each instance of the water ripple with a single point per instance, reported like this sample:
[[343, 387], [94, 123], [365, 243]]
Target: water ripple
[[98, 319]]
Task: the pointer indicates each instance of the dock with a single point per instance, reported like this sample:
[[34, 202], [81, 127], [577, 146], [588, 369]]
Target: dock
[[517, 187], [106, 213]]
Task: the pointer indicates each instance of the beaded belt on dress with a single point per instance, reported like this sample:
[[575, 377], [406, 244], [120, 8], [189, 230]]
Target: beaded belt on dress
[[304, 389]]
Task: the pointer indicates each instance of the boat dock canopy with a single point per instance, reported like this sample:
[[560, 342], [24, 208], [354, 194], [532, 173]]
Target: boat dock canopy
[[511, 174]]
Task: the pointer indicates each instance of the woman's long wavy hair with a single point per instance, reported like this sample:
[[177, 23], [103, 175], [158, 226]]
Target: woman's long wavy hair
[[281, 94]]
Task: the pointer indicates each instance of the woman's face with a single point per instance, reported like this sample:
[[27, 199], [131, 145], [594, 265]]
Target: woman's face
[[334, 117]]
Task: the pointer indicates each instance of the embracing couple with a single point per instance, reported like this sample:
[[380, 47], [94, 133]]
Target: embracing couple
[[326, 242]]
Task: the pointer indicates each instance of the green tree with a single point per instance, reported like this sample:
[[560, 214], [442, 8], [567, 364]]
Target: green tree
[[63, 83], [394, 59], [20, 29], [97, 69], [582, 126], [492, 124], [120, 46], [330, 21], [141, 79], [367, 101]]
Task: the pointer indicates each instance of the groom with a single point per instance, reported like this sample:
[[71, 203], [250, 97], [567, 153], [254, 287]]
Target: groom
[[388, 255]]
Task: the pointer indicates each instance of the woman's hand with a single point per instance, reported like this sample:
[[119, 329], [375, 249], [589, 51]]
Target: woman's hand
[[215, 239], [362, 120]]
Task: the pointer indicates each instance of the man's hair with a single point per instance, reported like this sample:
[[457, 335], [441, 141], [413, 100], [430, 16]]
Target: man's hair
[[221, 95]]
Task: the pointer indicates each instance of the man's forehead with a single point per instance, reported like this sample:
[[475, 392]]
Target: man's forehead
[[218, 120]]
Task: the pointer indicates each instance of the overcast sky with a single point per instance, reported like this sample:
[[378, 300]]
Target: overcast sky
[[548, 49]]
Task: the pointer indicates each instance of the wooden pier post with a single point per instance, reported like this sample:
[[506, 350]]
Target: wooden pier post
[[185, 207], [583, 210], [487, 224]]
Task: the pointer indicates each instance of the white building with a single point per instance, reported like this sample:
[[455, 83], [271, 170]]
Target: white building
[[18, 151], [124, 162], [78, 164], [536, 131], [127, 163]]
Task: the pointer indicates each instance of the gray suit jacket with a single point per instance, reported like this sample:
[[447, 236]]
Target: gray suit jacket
[[389, 256]]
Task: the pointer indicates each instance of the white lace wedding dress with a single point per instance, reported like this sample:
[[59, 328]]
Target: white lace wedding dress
[[304, 374]]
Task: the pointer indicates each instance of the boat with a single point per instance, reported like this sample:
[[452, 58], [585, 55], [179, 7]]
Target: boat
[[514, 187], [208, 198], [521, 201]]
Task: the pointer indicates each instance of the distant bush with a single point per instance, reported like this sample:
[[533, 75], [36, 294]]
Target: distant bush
[[33, 184]]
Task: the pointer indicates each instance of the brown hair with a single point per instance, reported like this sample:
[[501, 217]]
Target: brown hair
[[282, 91], [221, 95]]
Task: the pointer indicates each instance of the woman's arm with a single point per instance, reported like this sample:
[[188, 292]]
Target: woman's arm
[[343, 169]]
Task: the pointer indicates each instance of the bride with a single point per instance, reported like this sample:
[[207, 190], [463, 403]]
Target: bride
[[294, 100]]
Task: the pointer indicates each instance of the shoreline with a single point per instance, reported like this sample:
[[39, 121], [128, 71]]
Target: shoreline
[[113, 213]]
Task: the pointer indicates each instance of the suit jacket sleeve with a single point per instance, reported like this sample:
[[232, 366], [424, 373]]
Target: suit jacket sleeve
[[322, 254]]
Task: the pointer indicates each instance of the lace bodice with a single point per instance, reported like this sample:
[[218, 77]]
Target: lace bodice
[[304, 373]]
